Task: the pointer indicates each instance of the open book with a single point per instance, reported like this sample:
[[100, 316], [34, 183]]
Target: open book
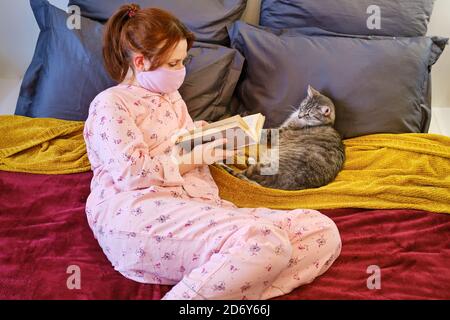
[[239, 131]]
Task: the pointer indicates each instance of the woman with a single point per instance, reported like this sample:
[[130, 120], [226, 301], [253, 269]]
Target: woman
[[156, 214]]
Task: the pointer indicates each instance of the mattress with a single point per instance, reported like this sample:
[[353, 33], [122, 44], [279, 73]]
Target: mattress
[[44, 234]]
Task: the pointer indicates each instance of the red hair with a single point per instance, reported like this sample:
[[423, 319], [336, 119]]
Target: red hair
[[152, 32]]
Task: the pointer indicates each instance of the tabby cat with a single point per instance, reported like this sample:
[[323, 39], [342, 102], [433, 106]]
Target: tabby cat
[[311, 151]]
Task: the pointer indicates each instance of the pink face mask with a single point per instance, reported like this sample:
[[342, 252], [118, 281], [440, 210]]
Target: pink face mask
[[162, 80]]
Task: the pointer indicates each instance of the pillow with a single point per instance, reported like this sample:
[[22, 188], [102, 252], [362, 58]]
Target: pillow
[[67, 72], [378, 86], [208, 19], [213, 72], [408, 18]]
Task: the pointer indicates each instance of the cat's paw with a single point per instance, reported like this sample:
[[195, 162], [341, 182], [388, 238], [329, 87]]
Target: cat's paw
[[251, 161], [254, 183], [251, 170]]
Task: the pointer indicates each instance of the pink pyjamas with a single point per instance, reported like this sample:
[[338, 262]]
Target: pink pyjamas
[[156, 226]]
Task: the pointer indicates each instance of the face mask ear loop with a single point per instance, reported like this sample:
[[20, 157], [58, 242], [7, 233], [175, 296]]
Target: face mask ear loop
[[147, 65]]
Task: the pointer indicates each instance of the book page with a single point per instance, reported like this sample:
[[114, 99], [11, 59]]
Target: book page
[[205, 131], [235, 121], [235, 135], [240, 132], [252, 123], [255, 123], [218, 124]]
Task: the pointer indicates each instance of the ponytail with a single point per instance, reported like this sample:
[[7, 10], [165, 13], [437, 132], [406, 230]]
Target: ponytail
[[115, 51]]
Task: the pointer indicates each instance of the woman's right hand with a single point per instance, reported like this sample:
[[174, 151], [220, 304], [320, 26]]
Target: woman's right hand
[[205, 154]]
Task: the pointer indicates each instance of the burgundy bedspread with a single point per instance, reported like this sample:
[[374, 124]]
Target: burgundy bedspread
[[43, 231]]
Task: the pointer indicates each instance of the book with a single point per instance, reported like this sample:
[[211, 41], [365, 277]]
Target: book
[[239, 131]]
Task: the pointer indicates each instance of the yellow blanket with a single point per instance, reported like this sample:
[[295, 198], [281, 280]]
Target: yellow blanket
[[43, 146], [385, 171]]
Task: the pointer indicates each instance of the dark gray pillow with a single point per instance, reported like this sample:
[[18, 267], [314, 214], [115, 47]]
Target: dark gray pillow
[[213, 72], [67, 71], [408, 18], [379, 85], [208, 19]]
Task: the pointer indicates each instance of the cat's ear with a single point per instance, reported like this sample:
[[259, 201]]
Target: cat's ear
[[326, 111], [312, 92]]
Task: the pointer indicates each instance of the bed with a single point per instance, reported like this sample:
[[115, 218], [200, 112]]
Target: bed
[[391, 203], [43, 231]]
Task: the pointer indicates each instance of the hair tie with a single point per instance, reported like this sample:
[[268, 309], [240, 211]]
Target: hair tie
[[132, 9]]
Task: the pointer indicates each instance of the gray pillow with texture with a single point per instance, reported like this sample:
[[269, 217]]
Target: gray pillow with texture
[[408, 18], [208, 19], [67, 71], [213, 72], [379, 85]]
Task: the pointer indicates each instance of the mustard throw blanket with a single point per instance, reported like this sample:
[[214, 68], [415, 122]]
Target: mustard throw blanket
[[44, 146], [385, 171]]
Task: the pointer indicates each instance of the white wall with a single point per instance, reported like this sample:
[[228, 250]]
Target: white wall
[[19, 32], [440, 25], [18, 35]]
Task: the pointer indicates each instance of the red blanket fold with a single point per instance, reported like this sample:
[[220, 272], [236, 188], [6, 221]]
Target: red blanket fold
[[43, 231]]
